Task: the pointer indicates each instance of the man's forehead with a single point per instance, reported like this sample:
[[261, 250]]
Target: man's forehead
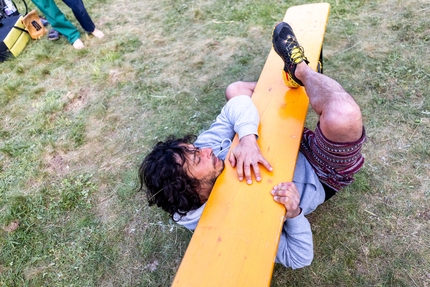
[[189, 154], [190, 147]]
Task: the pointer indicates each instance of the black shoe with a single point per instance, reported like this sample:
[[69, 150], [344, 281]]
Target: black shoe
[[286, 45]]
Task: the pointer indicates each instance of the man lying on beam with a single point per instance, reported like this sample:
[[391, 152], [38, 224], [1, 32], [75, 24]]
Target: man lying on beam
[[179, 173]]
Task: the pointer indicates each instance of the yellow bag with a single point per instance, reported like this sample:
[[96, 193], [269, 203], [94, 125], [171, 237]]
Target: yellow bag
[[34, 25], [13, 37]]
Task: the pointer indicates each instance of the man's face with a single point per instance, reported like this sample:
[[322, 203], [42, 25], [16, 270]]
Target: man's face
[[203, 165]]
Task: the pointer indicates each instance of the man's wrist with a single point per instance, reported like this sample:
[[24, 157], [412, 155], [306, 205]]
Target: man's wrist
[[252, 137], [298, 212], [296, 215]]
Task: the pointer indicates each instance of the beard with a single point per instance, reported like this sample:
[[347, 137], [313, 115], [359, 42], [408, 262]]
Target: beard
[[211, 178]]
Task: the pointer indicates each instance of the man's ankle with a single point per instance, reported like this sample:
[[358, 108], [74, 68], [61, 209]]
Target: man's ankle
[[301, 70]]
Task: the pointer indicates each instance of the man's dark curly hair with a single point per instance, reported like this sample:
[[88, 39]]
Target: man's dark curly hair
[[166, 180]]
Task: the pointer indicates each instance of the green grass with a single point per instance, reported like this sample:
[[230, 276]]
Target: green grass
[[75, 126]]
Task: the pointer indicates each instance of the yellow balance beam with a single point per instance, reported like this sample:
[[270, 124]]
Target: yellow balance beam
[[236, 240]]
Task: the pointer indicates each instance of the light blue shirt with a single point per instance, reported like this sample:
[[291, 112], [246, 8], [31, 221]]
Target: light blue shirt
[[240, 116]]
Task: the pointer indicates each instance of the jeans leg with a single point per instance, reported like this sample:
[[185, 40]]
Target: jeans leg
[[81, 14]]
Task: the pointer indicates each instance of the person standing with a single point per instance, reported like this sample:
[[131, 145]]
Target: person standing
[[61, 25], [83, 17]]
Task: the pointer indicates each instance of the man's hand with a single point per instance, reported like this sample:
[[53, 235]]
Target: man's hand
[[286, 193], [246, 155]]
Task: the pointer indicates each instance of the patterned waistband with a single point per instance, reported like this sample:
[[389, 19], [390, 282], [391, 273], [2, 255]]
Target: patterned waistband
[[334, 163]]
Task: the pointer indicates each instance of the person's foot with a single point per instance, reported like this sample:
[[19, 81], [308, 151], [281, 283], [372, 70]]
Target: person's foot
[[44, 21], [78, 44], [53, 35], [97, 33], [286, 46]]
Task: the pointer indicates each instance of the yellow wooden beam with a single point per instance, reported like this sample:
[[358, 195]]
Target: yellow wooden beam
[[236, 240]]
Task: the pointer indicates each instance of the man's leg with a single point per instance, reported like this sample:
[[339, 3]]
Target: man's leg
[[334, 148], [339, 115]]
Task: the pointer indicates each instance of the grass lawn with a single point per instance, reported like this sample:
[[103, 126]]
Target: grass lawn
[[75, 126]]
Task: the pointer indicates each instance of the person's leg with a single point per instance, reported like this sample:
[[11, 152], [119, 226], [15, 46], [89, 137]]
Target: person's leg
[[339, 115], [83, 17], [81, 14], [334, 148], [239, 88], [57, 20]]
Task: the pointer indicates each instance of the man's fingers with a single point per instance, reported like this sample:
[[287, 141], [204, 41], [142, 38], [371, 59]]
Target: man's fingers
[[246, 157], [279, 192], [246, 166], [239, 169], [232, 159], [256, 169], [286, 194], [282, 189], [266, 164], [283, 199], [248, 175]]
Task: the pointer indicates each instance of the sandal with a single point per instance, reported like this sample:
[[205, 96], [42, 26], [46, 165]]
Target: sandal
[[44, 21], [53, 35]]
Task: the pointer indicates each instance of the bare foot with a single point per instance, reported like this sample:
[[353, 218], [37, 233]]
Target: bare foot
[[78, 44], [99, 34]]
